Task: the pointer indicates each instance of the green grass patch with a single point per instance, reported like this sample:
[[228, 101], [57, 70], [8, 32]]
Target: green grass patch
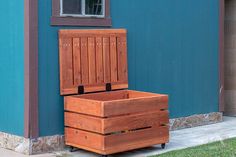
[[226, 148]]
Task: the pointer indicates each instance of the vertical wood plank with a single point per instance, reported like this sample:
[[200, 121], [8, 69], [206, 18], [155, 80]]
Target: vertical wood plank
[[122, 59], [99, 60], [113, 56], [66, 66], [84, 60], [92, 61], [106, 60], [76, 61]]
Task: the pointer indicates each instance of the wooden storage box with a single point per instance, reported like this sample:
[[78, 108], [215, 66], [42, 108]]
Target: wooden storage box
[[101, 115]]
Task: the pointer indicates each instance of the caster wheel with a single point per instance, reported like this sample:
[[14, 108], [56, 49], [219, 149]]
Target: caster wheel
[[163, 145], [73, 149], [104, 156]]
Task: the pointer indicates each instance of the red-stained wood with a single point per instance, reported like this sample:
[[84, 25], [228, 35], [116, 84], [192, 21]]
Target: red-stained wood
[[92, 104], [77, 61], [92, 61], [136, 139], [66, 66], [122, 58], [99, 60], [84, 138], [106, 122], [106, 60], [84, 61], [113, 57], [116, 124], [97, 57], [115, 143]]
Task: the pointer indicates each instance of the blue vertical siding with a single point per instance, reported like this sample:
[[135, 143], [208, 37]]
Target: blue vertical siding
[[172, 49], [12, 67]]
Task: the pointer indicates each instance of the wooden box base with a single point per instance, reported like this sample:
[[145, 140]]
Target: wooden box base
[[116, 121]]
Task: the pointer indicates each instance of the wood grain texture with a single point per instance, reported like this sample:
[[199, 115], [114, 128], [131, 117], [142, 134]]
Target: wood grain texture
[[86, 139], [110, 144], [77, 61], [137, 139], [116, 124], [66, 66], [115, 104], [96, 57]]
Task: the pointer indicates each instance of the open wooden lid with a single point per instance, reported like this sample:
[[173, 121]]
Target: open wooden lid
[[92, 60]]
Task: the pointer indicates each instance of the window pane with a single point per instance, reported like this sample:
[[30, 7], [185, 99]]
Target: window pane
[[71, 6], [93, 7]]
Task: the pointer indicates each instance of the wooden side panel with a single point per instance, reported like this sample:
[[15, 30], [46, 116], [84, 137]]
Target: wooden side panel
[[84, 61], [77, 61], [84, 122], [83, 138], [122, 59], [99, 61], [136, 105], [106, 60], [136, 121], [66, 66], [84, 106], [137, 139], [113, 53]]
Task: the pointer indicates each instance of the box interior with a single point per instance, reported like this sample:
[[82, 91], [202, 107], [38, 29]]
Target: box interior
[[116, 95]]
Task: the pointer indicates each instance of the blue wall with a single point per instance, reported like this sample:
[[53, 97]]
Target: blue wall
[[172, 49], [12, 67]]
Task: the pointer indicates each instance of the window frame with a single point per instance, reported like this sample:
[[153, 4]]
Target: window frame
[[83, 14], [58, 19]]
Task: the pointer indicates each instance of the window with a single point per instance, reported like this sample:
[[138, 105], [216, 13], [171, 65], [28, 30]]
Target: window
[[83, 8], [81, 12]]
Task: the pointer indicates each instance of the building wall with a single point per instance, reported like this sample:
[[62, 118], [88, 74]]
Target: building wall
[[230, 57], [172, 49], [12, 67]]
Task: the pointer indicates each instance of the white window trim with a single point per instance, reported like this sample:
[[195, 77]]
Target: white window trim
[[83, 11]]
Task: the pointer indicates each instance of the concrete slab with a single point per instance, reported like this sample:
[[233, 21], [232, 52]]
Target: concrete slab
[[179, 139]]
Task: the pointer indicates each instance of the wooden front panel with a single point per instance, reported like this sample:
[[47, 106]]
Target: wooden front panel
[[84, 138], [116, 124], [136, 121], [115, 103], [114, 143], [136, 139], [92, 58], [135, 105]]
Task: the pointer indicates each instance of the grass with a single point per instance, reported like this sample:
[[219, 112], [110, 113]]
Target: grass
[[226, 148]]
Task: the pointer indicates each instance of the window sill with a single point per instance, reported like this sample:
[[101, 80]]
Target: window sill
[[76, 21]]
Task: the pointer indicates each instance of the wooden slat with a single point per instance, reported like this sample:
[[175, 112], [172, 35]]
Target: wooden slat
[[83, 122], [135, 105], [135, 121], [66, 65], [122, 59], [84, 61], [138, 139], [113, 53], [86, 139], [85, 106], [99, 60], [92, 60], [76, 61], [106, 60], [115, 143], [116, 124], [91, 106]]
